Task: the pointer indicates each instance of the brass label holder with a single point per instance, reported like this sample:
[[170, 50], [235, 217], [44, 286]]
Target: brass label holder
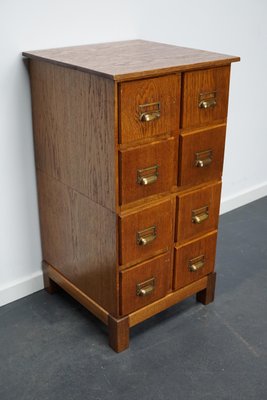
[[146, 236], [207, 100], [203, 158], [149, 112], [196, 263], [147, 176], [200, 215], [145, 288]]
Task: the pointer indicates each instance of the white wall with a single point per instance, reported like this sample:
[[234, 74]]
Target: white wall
[[234, 27]]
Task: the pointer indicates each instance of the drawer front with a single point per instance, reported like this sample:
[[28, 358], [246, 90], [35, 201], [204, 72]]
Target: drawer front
[[148, 170], [144, 232], [198, 212], [205, 96], [144, 283], [149, 107], [201, 156], [194, 260]]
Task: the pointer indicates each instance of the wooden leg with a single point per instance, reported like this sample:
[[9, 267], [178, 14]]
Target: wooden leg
[[119, 333], [50, 286], [206, 296]]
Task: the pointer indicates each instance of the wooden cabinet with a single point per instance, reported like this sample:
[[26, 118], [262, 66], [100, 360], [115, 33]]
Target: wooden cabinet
[[129, 143]]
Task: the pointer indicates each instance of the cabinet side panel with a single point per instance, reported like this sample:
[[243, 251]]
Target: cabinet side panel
[[73, 122], [79, 240]]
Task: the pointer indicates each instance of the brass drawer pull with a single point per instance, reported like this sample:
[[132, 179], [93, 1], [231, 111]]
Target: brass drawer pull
[[146, 236], [147, 176], [145, 288], [200, 215], [196, 263], [207, 100], [150, 116], [149, 112], [203, 158]]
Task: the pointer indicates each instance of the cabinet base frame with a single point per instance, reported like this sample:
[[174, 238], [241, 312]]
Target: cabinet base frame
[[206, 296], [76, 293], [119, 328]]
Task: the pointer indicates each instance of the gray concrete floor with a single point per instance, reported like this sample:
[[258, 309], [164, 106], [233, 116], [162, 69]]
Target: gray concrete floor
[[52, 348]]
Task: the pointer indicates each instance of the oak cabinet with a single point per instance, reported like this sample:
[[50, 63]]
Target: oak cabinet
[[129, 144]]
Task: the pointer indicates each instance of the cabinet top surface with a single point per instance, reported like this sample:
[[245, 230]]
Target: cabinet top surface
[[131, 59]]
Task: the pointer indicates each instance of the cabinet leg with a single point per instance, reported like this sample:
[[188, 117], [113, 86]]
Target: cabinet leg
[[50, 286], [206, 296], [119, 333]]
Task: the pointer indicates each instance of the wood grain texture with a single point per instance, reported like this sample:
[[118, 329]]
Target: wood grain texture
[[158, 268], [73, 123], [206, 296], [191, 143], [160, 216], [79, 239], [162, 304], [77, 294], [119, 333], [197, 82], [204, 246], [163, 154], [163, 90], [187, 202], [131, 59]]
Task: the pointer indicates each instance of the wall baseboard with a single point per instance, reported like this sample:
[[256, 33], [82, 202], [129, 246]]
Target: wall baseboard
[[242, 198], [34, 282], [21, 288]]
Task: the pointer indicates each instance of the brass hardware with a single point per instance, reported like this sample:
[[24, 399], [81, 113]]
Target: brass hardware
[[146, 236], [147, 176], [200, 215], [145, 288], [150, 116], [149, 112], [207, 100], [196, 263], [203, 158]]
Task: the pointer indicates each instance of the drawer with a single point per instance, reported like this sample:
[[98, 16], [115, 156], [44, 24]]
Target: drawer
[[205, 96], [149, 107], [144, 232], [144, 283], [194, 260], [198, 212], [201, 156], [148, 170]]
